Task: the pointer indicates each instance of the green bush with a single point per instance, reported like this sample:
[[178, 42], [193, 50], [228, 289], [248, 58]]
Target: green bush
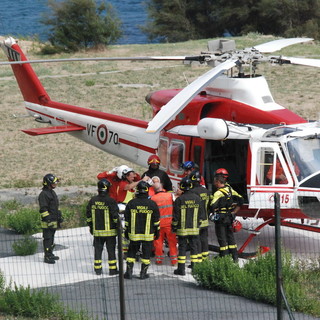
[[38, 304], [25, 246], [74, 215], [81, 24], [257, 280], [2, 282], [24, 221]]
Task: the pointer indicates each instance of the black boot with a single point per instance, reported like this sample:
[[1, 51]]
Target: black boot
[[234, 254], [54, 257], [143, 272], [48, 259], [113, 272], [181, 271], [98, 271], [48, 256], [128, 273]]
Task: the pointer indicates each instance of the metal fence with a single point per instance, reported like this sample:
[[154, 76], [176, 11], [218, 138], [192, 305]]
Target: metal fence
[[162, 296]]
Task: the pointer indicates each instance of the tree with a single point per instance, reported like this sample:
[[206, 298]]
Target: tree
[[79, 24], [180, 20]]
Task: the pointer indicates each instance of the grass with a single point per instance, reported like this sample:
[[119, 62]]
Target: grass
[[26, 219], [256, 280], [24, 303], [26, 159]]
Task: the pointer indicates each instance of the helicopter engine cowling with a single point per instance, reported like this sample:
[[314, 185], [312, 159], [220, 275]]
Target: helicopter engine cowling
[[213, 129]]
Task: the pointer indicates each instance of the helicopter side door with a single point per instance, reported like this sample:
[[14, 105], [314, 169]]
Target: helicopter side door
[[269, 174]]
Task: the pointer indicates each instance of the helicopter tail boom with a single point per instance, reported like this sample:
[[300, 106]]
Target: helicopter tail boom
[[29, 83]]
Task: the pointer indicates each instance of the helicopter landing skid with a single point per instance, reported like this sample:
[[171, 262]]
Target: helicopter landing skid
[[253, 233]]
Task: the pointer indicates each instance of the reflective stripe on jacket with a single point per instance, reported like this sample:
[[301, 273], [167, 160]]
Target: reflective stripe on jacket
[[205, 197], [225, 199], [165, 204], [102, 214], [141, 219], [49, 208], [188, 214]]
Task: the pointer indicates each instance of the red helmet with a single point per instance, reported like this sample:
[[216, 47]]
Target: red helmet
[[223, 172], [236, 226], [154, 159]]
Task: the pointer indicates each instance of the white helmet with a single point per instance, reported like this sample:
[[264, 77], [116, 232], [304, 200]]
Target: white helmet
[[125, 171], [120, 170]]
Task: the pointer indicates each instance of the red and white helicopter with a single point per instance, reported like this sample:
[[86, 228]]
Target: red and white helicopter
[[222, 119]]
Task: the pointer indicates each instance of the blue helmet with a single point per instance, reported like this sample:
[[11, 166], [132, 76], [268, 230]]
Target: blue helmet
[[188, 165]]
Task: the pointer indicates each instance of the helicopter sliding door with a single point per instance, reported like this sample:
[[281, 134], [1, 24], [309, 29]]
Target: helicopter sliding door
[[231, 155]]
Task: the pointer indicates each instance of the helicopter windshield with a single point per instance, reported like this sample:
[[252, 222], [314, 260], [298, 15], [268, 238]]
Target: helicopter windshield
[[305, 155]]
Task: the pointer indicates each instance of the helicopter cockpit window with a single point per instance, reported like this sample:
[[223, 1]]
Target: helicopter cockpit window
[[270, 170], [305, 155], [176, 156], [163, 153]]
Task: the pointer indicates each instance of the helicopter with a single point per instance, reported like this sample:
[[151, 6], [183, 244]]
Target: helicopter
[[227, 118]]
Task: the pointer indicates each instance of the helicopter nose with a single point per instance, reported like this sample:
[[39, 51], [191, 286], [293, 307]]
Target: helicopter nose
[[309, 197], [310, 206]]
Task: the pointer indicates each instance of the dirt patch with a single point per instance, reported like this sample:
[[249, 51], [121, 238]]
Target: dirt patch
[[27, 196]]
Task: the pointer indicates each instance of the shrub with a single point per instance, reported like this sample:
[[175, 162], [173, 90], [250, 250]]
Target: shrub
[[257, 280], [10, 205], [24, 221], [74, 215], [25, 246], [2, 282], [80, 24], [38, 304]]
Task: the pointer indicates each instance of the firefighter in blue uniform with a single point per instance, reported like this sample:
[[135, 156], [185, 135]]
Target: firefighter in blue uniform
[[187, 217], [142, 226], [51, 217], [225, 204], [102, 217]]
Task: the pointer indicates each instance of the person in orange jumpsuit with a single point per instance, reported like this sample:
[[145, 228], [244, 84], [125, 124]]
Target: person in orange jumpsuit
[[164, 201], [280, 176]]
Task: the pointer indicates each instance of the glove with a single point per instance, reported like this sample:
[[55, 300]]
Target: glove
[[156, 234], [90, 228], [60, 218], [214, 217]]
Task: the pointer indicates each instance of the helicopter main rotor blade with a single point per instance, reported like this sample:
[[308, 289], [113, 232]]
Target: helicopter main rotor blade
[[299, 61], [178, 102], [277, 45], [154, 58]]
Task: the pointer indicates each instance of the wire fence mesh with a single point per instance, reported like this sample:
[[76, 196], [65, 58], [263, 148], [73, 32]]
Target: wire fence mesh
[[163, 295]]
